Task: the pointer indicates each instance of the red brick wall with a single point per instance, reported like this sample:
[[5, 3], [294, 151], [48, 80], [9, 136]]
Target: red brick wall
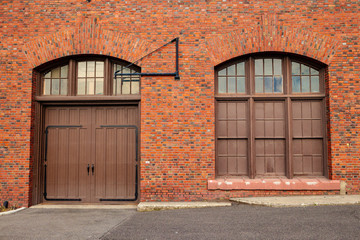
[[177, 117]]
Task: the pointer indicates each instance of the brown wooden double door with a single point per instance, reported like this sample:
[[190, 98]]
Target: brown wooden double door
[[90, 153]]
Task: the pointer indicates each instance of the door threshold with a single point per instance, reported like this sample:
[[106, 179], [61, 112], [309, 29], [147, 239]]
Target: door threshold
[[85, 206]]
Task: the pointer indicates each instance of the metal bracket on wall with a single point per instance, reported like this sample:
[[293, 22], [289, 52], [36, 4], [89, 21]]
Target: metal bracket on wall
[[175, 74], [45, 161]]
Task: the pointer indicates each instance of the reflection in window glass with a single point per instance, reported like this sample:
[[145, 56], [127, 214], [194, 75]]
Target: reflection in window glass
[[231, 85], [305, 70], [296, 84], [268, 84], [304, 78], [272, 77], [278, 84], [56, 81]]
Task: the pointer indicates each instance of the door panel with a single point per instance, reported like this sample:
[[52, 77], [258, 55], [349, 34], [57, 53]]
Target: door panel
[[67, 153], [115, 157], [106, 143], [308, 153], [232, 138]]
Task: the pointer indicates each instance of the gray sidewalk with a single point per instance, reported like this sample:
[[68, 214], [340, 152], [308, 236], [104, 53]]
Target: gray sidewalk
[[300, 201]]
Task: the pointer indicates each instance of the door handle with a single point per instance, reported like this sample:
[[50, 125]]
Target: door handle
[[92, 169], [88, 169]]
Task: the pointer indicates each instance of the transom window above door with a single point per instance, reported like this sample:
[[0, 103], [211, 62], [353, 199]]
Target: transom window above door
[[92, 76], [268, 75], [270, 117]]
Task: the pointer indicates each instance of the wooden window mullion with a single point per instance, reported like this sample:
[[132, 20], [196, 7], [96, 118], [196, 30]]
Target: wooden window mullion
[[288, 132], [252, 172], [108, 79]]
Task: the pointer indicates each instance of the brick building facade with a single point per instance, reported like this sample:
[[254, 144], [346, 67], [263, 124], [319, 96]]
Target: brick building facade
[[178, 152]]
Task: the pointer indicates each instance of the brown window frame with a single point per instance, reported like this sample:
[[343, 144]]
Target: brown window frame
[[250, 97], [72, 82]]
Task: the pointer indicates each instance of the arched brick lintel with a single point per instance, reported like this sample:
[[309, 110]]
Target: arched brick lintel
[[87, 37], [271, 37]]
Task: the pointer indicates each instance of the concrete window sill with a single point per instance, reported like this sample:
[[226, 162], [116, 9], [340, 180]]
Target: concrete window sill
[[274, 184]]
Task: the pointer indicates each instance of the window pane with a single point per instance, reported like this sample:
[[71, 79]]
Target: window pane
[[64, 71], [222, 72], [99, 86], [241, 84], [231, 70], [240, 69], [231, 85], [222, 85], [82, 69], [305, 84], [296, 83], [55, 86], [90, 69], [278, 84], [258, 67], [81, 86], [305, 70], [268, 84], [259, 84], [55, 73], [90, 86], [295, 68], [268, 67], [126, 88], [315, 84], [63, 86], [47, 86], [314, 72], [117, 86], [99, 69], [277, 67], [134, 87], [48, 75]]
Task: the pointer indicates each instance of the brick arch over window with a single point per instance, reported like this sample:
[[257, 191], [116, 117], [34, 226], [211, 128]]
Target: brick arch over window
[[271, 36], [87, 37]]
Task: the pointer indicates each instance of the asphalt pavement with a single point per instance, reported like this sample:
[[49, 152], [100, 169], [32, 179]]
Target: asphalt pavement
[[234, 222]]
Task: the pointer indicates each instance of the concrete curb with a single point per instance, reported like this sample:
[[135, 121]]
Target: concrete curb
[[45, 206], [155, 206], [300, 201], [12, 211]]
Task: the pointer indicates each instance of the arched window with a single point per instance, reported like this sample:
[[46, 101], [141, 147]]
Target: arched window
[[86, 76], [270, 117]]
